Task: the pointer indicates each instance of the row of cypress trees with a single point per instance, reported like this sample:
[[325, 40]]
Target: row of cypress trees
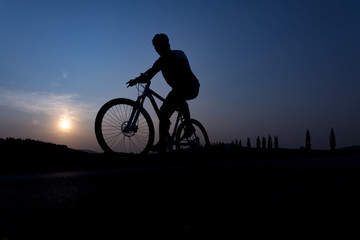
[[269, 143], [332, 140], [262, 143]]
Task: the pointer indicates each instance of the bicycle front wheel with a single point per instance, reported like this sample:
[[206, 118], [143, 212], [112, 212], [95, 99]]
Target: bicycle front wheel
[[113, 134], [199, 139]]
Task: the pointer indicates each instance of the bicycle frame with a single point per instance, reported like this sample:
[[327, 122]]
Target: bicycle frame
[[148, 93]]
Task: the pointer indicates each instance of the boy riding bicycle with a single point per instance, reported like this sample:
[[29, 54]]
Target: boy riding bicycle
[[176, 70]]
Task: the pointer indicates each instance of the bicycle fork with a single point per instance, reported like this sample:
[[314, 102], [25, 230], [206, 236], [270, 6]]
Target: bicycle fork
[[131, 123]]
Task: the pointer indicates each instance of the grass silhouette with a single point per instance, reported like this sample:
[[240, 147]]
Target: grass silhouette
[[28, 155]]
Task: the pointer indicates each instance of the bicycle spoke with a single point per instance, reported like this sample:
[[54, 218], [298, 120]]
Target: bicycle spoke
[[197, 140], [116, 134]]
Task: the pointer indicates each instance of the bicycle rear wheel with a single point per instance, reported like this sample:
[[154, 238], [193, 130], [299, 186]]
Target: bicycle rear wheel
[[113, 134], [198, 140]]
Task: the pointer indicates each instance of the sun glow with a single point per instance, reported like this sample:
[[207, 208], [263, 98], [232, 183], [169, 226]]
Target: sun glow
[[65, 124]]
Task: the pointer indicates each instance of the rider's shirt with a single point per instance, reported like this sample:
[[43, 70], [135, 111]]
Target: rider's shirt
[[176, 70]]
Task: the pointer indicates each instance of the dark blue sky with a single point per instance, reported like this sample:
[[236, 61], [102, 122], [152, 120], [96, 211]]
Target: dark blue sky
[[265, 67]]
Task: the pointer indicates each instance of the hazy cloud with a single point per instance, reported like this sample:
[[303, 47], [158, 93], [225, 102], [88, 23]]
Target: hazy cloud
[[38, 115], [51, 104], [66, 74]]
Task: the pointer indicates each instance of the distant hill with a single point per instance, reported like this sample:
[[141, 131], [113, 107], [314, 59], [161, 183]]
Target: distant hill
[[28, 155], [354, 147], [20, 146]]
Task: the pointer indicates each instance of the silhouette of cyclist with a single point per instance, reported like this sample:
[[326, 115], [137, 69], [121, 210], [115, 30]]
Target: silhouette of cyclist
[[176, 70]]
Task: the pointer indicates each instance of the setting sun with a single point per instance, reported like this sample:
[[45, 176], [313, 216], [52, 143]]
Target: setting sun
[[65, 124]]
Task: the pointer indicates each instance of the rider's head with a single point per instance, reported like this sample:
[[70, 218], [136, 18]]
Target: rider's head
[[161, 44]]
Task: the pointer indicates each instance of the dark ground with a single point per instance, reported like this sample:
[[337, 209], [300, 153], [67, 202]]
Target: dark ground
[[251, 194]]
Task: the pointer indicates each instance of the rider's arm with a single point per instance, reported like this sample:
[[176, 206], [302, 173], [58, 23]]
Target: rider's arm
[[147, 76], [151, 72]]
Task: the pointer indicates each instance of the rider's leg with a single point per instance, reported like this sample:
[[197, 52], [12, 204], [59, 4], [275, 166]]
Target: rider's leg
[[184, 109], [189, 129], [178, 98], [164, 126], [189, 94], [185, 112], [166, 110]]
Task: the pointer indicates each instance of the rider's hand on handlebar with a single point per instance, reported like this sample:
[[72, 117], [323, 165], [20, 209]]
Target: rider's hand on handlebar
[[132, 82], [141, 79]]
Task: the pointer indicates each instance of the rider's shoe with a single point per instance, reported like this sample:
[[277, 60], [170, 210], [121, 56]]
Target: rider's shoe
[[160, 147], [188, 131]]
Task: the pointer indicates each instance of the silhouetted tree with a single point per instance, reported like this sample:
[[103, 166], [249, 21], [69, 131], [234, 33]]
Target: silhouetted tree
[[308, 140], [263, 142], [248, 143], [270, 143], [332, 139], [235, 145], [258, 142], [276, 142], [240, 144], [219, 145]]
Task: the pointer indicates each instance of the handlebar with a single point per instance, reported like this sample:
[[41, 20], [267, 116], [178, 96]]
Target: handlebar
[[141, 79], [131, 83]]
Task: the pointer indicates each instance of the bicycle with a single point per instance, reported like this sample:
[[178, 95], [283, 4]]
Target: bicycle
[[124, 126]]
